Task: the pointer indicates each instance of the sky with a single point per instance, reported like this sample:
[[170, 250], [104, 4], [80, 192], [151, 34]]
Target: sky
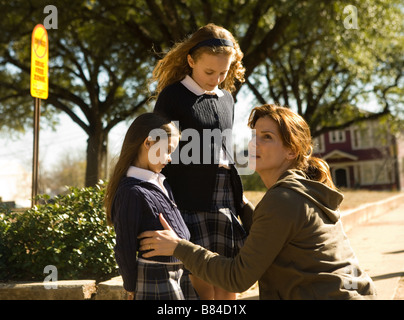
[[53, 144]]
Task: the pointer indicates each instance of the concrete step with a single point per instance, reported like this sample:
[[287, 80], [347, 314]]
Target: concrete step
[[111, 290], [62, 290]]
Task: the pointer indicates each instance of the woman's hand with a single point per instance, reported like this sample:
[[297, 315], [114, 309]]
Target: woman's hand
[[162, 243]]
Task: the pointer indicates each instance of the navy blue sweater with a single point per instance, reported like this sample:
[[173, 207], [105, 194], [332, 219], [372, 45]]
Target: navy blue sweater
[[136, 208], [193, 184]]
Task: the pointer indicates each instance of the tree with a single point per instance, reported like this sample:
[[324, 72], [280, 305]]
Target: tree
[[101, 56], [69, 172], [103, 52], [325, 69], [96, 76]]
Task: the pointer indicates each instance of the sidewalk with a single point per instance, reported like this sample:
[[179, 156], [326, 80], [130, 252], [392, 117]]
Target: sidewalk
[[379, 246]]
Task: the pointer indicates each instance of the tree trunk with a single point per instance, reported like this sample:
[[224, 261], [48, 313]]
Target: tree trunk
[[95, 154]]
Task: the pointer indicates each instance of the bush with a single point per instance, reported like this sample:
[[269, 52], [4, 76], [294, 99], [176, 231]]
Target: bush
[[253, 182], [69, 232]]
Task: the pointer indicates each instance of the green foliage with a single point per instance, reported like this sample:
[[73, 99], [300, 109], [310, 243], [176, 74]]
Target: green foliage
[[297, 53], [253, 182], [326, 70], [69, 232]]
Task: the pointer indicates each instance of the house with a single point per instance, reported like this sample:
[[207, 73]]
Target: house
[[363, 156]]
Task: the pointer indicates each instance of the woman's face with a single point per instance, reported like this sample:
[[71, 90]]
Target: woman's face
[[266, 148], [210, 70]]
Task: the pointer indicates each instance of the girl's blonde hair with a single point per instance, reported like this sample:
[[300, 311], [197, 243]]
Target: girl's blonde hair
[[174, 66], [138, 131], [295, 134]]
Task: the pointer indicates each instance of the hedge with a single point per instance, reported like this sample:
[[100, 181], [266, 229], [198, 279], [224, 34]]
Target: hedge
[[69, 232]]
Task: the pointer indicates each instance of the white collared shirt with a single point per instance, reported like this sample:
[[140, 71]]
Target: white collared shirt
[[192, 86], [147, 175]]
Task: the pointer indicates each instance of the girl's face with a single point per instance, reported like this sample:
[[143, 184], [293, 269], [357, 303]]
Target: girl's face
[[159, 153], [267, 149], [210, 70]]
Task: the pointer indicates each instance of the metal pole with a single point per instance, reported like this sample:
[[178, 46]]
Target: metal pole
[[37, 113], [106, 167]]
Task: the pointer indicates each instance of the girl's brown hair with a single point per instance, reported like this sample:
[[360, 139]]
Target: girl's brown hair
[[295, 134], [138, 131], [174, 66]]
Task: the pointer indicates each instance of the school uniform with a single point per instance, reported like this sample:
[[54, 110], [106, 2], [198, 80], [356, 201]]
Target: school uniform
[[141, 196], [208, 193]]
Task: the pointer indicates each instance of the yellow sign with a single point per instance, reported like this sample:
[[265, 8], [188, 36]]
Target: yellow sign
[[39, 62]]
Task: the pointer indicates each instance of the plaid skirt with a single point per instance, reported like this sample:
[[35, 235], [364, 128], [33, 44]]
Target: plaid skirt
[[217, 230], [157, 281]]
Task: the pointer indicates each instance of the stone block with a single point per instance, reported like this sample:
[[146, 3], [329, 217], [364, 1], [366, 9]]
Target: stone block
[[65, 290], [111, 290]]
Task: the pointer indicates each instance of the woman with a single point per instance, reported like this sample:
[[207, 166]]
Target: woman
[[137, 192], [194, 81], [296, 247]]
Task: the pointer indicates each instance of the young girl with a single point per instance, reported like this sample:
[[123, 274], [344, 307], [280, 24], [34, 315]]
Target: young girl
[[137, 192], [193, 84], [296, 247]]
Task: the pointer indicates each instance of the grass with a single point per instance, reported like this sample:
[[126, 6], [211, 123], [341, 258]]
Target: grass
[[352, 198]]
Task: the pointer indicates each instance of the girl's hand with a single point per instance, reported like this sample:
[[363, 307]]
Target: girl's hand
[[162, 243]]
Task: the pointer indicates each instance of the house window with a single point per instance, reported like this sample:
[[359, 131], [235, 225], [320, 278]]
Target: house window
[[337, 136], [376, 172], [367, 174], [362, 138], [318, 144], [381, 137], [384, 172], [356, 138]]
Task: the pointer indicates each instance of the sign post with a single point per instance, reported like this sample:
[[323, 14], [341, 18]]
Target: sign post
[[39, 90]]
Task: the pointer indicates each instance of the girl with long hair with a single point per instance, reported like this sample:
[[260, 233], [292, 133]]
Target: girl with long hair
[[296, 247], [136, 194], [194, 84]]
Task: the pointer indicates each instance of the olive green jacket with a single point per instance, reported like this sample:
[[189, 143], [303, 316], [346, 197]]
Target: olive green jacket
[[296, 248]]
